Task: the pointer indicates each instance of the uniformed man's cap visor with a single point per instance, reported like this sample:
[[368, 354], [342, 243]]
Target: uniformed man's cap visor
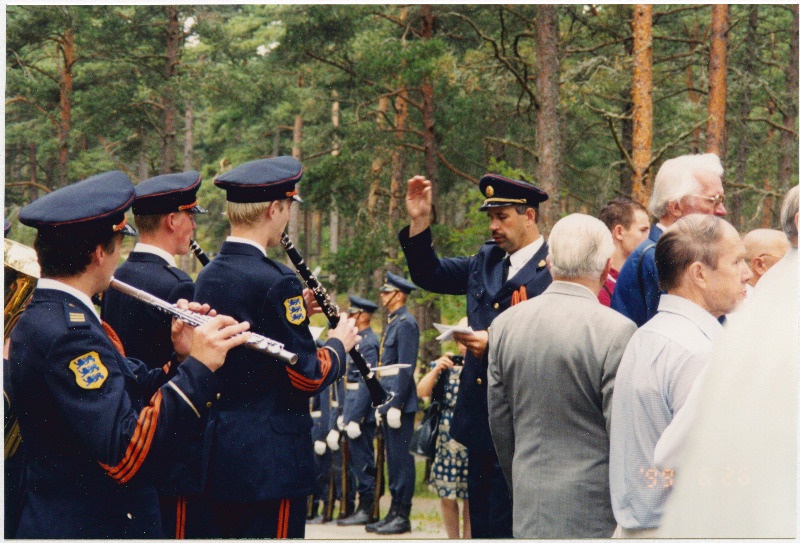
[[388, 288], [197, 209], [129, 230]]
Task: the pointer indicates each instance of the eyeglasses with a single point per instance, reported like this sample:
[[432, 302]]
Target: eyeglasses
[[715, 200]]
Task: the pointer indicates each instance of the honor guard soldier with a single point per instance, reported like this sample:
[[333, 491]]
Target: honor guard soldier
[[261, 458], [164, 210], [399, 345], [358, 414], [509, 268], [99, 429]]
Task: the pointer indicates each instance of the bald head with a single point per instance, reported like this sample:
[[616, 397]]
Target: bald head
[[764, 248]]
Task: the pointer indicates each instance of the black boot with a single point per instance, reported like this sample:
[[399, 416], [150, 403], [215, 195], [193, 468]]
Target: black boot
[[373, 526], [400, 524], [313, 506], [360, 517]]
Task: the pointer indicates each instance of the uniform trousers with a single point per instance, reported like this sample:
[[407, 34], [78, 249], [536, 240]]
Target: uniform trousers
[[490, 512], [270, 519], [402, 472], [362, 459]]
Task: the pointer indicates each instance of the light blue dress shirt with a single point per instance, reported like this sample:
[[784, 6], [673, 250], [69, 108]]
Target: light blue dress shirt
[[657, 371]]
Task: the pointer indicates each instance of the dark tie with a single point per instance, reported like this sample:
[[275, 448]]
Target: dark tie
[[506, 265]]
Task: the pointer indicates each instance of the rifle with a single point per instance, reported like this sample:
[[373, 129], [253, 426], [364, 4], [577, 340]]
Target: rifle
[[380, 459], [344, 505]]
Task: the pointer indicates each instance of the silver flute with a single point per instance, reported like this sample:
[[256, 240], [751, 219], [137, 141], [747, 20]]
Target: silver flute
[[257, 342]]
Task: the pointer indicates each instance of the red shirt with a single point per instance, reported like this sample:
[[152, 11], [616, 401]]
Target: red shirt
[[608, 287]]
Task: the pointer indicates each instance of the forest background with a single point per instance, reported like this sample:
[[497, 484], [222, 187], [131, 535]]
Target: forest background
[[584, 101]]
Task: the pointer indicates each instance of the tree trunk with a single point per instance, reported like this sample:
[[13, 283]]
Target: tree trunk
[[788, 147], [694, 96], [143, 166], [548, 136], [717, 74], [743, 145], [167, 153], [66, 46], [398, 161], [642, 97], [188, 136], [295, 214]]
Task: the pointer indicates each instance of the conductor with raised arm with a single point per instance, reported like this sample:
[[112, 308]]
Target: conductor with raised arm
[[508, 269]]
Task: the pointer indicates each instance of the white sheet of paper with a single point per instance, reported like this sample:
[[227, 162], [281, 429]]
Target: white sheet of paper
[[446, 331]]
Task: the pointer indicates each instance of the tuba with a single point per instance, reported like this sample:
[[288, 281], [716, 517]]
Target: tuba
[[21, 270]]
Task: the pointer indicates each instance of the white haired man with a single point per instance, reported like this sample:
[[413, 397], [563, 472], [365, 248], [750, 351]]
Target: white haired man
[[557, 465], [701, 267], [764, 248], [684, 185], [739, 464]]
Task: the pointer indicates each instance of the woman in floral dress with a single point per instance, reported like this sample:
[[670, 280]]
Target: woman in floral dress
[[449, 469]]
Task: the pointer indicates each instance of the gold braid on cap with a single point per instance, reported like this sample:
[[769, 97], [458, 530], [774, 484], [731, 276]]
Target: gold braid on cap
[[505, 201]]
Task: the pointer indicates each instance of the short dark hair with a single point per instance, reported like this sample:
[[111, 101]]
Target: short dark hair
[[522, 209], [693, 238], [148, 224], [66, 256], [620, 211]]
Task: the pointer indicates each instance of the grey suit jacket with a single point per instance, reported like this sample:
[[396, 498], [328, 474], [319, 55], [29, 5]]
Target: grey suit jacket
[[552, 363]]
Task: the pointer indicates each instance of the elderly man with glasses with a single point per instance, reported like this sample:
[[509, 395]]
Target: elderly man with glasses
[[684, 185]]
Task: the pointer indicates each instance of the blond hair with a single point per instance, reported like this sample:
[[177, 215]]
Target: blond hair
[[245, 213]]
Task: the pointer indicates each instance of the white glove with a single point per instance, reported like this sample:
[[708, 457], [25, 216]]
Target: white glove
[[319, 447], [340, 422], [353, 429], [393, 417], [333, 440]]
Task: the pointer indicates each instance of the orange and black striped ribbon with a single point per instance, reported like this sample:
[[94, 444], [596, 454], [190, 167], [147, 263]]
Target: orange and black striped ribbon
[[519, 295], [112, 335], [305, 384]]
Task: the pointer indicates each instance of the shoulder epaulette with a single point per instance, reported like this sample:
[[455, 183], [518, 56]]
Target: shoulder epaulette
[[76, 316]]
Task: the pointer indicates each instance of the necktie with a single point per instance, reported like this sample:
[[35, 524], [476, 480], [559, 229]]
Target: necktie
[[506, 265]]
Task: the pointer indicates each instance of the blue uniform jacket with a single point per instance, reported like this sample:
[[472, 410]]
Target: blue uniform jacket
[[357, 401], [480, 277], [143, 329], [98, 428], [258, 444], [145, 334], [400, 345], [637, 293]]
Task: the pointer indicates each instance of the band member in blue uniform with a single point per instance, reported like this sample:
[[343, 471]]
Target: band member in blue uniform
[[358, 414], [261, 458], [335, 441], [164, 210], [399, 345], [508, 269], [99, 428], [320, 407]]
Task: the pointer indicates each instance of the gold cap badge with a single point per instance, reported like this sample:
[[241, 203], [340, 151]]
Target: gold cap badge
[[489, 191]]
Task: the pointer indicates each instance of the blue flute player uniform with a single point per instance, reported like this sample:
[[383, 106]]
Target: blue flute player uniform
[[258, 443], [98, 428], [145, 333]]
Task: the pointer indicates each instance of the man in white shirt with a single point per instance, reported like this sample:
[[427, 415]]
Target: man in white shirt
[[700, 262]]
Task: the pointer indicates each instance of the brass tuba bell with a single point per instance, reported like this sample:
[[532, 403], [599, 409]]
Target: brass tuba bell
[[21, 270]]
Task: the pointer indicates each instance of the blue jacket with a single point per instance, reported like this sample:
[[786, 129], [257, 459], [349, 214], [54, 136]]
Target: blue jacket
[[143, 329], [99, 429], [258, 444], [637, 293], [480, 277], [400, 345], [357, 401], [145, 332]]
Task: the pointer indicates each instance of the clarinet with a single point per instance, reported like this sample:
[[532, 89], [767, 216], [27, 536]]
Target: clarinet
[[257, 342], [199, 252], [377, 393]]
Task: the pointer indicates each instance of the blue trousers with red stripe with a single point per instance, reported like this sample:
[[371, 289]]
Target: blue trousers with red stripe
[[272, 519]]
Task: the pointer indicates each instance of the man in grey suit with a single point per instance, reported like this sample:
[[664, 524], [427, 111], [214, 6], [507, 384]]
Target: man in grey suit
[[552, 363]]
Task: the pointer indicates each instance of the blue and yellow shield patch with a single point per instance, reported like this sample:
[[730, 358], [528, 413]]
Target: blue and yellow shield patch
[[89, 371], [295, 309]]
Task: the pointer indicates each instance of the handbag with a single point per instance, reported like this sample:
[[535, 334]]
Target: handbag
[[423, 440]]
